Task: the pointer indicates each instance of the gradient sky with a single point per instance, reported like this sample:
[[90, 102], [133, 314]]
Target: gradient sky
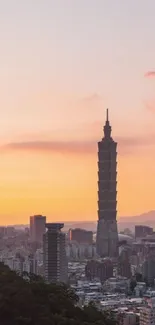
[[61, 64]]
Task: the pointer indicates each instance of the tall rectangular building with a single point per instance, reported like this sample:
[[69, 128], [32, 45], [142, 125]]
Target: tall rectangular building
[[148, 269], [107, 234], [54, 254], [37, 228]]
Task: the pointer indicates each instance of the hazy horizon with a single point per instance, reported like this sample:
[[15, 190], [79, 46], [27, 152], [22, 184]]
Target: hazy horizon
[[123, 221]]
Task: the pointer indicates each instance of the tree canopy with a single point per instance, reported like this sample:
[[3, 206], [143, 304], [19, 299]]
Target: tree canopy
[[29, 300]]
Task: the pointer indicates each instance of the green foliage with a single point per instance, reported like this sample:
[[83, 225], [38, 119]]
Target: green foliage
[[28, 300]]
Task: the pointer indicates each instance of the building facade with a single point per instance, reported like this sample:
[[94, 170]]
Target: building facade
[[124, 266], [101, 270], [148, 269], [81, 236], [142, 231], [54, 254], [107, 234], [147, 313], [37, 228]]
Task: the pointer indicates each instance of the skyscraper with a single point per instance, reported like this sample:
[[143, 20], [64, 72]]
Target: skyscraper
[[54, 254], [37, 228], [107, 235]]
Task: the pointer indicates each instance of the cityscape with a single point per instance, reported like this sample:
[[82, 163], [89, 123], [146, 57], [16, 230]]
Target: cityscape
[[77, 172], [114, 271]]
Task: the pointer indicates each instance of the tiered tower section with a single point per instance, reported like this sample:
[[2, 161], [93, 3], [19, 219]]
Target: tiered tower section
[[107, 234]]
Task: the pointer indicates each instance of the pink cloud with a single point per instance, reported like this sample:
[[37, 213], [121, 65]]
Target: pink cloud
[[150, 105], [53, 146], [149, 74], [93, 98], [126, 145]]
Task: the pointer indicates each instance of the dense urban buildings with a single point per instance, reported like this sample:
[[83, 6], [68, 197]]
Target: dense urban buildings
[[7, 231], [37, 228], [81, 236], [107, 235], [147, 313], [119, 285], [142, 231], [99, 270], [54, 253]]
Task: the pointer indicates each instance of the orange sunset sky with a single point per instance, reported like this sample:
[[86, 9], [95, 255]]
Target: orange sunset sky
[[62, 63]]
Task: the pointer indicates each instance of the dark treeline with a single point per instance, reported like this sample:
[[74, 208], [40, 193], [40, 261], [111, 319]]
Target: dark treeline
[[30, 300]]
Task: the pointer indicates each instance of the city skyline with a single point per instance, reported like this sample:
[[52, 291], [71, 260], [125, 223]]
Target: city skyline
[[61, 66]]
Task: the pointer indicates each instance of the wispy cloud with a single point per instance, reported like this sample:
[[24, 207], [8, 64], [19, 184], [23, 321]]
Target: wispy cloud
[[125, 145], [150, 105], [93, 98], [53, 146], [136, 141], [149, 74], [134, 145]]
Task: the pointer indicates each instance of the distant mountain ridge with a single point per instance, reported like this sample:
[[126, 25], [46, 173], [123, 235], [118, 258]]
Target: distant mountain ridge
[[147, 218], [143, 217]]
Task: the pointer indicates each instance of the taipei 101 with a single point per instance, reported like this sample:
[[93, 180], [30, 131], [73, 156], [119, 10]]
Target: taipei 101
[[77, 172]]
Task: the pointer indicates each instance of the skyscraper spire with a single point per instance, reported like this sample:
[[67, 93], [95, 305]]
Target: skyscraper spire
[[107, 115], [107, 127]]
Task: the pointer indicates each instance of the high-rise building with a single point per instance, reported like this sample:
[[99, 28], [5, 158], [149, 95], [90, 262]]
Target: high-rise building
[[37, 228], [124, 266], [107, 234], [148, 269], [54, 253], [81, 236]]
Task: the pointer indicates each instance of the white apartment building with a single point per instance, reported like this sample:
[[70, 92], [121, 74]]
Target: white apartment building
[[147, 313]]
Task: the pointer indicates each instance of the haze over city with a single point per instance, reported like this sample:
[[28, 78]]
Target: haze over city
[[62, 64]]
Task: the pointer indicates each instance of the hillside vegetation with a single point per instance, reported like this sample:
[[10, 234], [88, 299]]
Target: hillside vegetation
[[34, 302]]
